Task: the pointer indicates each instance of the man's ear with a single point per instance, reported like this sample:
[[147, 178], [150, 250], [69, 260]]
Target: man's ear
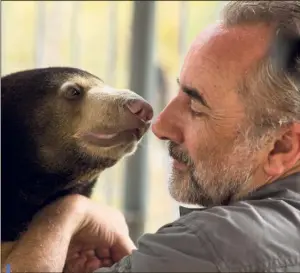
[[285, 151]]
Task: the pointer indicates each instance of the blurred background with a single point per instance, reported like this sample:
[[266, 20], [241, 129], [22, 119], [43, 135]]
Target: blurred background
[[129, 44]]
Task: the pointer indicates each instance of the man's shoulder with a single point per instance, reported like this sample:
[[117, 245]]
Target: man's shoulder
[[254, 234], [243, 215], [247, 236], [257, 235]]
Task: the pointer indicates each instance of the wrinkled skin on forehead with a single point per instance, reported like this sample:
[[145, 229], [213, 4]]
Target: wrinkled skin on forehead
[[49, 147]]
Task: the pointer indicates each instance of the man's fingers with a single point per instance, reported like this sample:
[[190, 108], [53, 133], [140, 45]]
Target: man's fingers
[[89, 253], [107, 262], [124, 247], [75, 265], [128, 243], [103, 253], [92, 264]]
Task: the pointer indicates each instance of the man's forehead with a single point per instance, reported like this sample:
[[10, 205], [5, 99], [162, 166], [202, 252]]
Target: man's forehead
[[228, 51]]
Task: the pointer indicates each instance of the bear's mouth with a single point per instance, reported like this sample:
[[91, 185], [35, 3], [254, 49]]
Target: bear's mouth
[[108, 139]]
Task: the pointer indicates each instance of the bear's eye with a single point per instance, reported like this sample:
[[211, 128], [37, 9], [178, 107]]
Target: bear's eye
[[73, 92]]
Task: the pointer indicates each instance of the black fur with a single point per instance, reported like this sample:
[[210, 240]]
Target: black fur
[[26, 185]]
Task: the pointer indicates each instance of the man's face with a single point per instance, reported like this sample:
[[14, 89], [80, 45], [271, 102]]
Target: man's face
[[213, 159]]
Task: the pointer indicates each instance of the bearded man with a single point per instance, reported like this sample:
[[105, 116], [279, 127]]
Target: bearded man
[[234, 137]]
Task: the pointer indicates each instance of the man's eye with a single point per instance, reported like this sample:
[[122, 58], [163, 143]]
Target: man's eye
[[196, 113], [193, 107]]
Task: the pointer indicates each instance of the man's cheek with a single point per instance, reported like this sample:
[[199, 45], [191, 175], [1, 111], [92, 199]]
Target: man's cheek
[[217, 125]]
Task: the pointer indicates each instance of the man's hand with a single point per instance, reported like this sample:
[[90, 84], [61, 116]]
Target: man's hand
[[100, 240], [73, 234]]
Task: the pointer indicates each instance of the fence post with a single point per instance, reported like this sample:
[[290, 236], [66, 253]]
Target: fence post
[[141, 81]]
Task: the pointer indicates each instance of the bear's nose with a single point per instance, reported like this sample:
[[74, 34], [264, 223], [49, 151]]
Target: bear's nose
[[141, 109]]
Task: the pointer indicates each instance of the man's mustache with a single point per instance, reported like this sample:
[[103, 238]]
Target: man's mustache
[[176, 153]]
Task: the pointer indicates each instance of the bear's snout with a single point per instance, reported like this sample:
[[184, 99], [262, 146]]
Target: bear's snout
[[141, 109]]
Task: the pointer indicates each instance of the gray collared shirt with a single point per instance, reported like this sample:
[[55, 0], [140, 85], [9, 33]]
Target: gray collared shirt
[[260, 233]]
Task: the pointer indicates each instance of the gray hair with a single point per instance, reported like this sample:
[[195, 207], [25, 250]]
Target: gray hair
[[272, 95]]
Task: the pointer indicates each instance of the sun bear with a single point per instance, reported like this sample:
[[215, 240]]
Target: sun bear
[[61, 127]]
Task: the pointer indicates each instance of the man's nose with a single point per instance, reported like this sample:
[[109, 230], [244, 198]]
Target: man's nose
[[141, 109], [168, 124]]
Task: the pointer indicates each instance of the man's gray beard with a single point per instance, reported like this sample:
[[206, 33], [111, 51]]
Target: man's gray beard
[[215, 180]]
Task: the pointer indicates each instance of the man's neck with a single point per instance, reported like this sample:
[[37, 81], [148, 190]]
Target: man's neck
[[264, 180]]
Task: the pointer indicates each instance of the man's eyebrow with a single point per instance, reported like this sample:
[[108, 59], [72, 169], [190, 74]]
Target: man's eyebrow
[[193, 93]]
